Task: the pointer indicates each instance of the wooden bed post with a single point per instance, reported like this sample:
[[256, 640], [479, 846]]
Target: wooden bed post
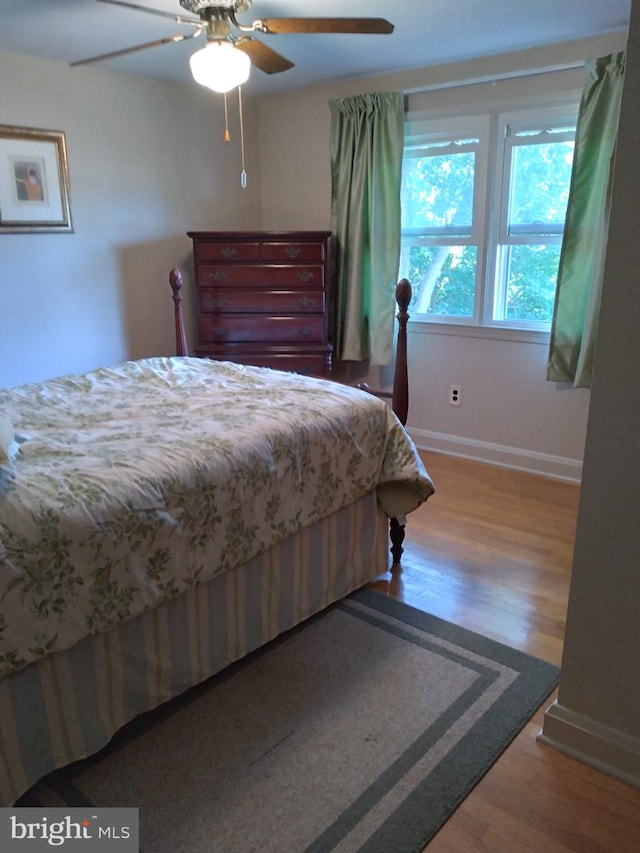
[[396, 534], [175, 280], [400, 398]]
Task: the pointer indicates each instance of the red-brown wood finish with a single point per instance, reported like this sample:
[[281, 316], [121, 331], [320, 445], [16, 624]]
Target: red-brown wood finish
[[264, 297], [400, 399], [175, 279]]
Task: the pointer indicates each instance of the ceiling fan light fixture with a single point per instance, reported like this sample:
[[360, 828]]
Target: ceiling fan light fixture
[[220, 66]]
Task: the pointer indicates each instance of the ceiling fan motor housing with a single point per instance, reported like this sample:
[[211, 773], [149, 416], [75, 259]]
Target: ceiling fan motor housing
[[226, 6]]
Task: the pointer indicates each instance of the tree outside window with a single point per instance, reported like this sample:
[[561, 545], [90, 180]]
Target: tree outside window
[[482, 221]]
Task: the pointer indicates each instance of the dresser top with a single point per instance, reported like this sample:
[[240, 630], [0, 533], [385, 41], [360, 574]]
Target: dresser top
[[258, 235]]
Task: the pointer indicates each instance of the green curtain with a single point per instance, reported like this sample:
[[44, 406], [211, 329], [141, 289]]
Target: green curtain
[[367, 139], [575, 319]]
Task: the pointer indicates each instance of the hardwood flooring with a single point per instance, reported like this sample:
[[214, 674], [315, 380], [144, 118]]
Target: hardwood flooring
[[492, 551]]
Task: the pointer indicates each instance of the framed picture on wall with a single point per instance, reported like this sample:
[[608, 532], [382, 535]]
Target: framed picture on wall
[[34, 181]]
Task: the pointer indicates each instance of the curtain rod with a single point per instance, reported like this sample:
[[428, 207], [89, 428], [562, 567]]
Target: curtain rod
[[492, 78]]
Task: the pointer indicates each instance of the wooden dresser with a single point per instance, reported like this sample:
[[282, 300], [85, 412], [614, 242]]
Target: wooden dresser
[[263, 298]]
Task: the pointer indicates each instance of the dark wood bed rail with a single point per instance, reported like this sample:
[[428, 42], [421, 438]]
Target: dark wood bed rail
[[399, 396]]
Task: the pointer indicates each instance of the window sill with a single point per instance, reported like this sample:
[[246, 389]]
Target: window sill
[[464, 330]]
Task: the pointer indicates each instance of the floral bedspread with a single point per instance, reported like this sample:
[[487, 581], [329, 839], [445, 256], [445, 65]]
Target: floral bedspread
[[132, 483]]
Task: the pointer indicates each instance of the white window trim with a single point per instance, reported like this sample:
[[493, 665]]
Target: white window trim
[[494, 117]]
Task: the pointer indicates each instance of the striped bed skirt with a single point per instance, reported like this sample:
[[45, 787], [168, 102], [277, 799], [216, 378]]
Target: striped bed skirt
[[69, 705]]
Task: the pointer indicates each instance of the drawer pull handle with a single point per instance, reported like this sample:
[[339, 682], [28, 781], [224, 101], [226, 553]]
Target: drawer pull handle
[[305, 302], [292, 251], [220, 331], [305, 276], [219, 302], [305, 331], [217, 276], [228, 251]]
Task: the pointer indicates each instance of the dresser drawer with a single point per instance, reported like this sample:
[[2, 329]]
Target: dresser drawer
[[263, 298], [308, 364], [248, 327], [227, 252], [288, 252], [311, 362], [262, 301], [267, 275]]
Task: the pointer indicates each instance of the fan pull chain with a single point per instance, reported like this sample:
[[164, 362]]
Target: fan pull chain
[[243, 174], [227, 137]]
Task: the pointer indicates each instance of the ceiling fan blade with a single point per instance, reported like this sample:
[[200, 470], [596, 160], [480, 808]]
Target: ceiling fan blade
[[263, 57], [126, 50], [180, 19], [327, 25]]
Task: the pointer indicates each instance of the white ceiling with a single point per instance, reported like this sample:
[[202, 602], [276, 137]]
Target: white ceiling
[[427, 32]]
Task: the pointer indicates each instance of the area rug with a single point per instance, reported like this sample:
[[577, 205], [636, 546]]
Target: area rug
[[361, 730]]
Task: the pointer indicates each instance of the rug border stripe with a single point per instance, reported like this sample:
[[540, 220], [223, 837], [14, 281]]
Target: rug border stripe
[[467, 760]]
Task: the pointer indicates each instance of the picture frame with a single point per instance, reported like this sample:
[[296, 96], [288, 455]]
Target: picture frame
[[34, 181]]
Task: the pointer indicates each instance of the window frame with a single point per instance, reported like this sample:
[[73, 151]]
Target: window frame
[[491, 202], [429, 132]]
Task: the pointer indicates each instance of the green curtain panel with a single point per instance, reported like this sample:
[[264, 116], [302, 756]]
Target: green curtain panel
[[582, 257], [367, 139]]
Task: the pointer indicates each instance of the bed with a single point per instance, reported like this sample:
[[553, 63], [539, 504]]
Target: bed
[[162, 518]]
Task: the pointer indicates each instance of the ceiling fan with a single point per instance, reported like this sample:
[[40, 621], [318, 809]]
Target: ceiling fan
[[226, 60]]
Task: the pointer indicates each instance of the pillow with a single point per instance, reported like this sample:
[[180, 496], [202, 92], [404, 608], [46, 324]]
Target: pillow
[[8, 443], [7, 438]]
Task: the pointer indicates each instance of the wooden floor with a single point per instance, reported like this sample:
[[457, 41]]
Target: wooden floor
[[491, 551]]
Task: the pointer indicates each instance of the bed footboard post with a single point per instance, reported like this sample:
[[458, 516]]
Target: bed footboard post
[[175, 280], [400, 401]]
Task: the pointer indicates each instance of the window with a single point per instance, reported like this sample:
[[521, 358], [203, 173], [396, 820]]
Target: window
[[483, 206]]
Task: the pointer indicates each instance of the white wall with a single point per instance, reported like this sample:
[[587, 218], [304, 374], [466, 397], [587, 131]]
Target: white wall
[[597, 715], [510, 414], [147, 162]]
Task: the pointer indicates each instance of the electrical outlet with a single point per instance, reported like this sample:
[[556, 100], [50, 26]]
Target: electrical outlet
[[455, 395]]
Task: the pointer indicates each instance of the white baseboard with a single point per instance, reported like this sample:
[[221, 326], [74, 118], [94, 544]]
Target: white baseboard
[[531, 461], [609, 750]]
